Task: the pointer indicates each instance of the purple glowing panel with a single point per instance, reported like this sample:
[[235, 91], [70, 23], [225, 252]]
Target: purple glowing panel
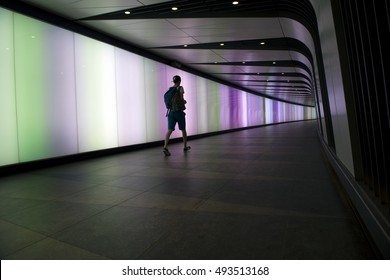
[[255, 109], [225, 107], [131, 104]]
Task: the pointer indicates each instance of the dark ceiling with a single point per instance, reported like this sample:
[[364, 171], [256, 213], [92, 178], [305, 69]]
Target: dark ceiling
[[266, 47]]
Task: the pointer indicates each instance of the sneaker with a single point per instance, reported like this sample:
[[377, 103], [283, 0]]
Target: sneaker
[[187, 148], [166, 152]]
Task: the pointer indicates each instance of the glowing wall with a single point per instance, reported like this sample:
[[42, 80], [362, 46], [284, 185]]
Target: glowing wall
[[8, 123], [63, 93]]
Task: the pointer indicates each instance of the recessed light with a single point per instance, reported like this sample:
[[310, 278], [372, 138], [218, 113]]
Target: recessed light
[[222, 44], [243, 62], [185, 46], [274, 62], [235, 2], [262, 43], [175, 8], [127, 12], [282, 73]]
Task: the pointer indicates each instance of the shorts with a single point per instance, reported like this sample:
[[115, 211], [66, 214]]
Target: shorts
[[176, 117]]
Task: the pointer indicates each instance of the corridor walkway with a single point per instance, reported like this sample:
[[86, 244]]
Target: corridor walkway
[[263, 193]]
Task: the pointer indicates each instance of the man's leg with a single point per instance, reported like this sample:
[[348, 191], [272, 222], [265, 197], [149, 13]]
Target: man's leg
[[184, 132], [167, 136]]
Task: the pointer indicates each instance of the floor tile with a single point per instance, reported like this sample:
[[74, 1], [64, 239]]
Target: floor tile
[[325, 238], [101, 195], [9, 205], [162, 201], [221, 236], [15, 238], [51, 249], [136, 183], [52, 217], [121, 232]]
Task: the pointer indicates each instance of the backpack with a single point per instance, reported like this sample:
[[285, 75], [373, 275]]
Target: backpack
[[177, 103], [168, 97]]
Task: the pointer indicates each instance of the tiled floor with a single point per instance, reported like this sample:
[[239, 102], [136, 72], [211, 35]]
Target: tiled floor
[[264, 193]]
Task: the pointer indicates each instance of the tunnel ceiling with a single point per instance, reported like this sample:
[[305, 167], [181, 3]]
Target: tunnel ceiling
[[265, 47]]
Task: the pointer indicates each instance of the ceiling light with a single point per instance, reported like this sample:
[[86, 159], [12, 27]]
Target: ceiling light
[[175, 8], [222, 44], [262, 43], [274, 63], [235, 2], [185, 46], [243, 62], [127, 12]]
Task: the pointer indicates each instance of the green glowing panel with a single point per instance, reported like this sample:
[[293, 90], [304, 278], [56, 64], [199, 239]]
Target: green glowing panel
[[46, 107], [8, 131], [213, 106]]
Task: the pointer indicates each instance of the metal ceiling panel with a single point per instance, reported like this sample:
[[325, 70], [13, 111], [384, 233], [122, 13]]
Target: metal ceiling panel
[[189, 56], [74, 9]]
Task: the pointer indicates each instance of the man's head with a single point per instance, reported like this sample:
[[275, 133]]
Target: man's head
[[176, 79]]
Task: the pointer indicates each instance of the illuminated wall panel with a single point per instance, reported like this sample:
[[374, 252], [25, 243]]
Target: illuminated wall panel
[[156, 84], [297, 112], [242, 109], [8, 128], [268, 111], [201, 104], [280, 109], [255, 109], [213, 106], [235, 97], [309, 113], [96, 94], [44, 73], [189, 83], [225, 114], [130, 88]]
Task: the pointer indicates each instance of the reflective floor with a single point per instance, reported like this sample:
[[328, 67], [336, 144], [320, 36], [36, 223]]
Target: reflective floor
[[264, 193]]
